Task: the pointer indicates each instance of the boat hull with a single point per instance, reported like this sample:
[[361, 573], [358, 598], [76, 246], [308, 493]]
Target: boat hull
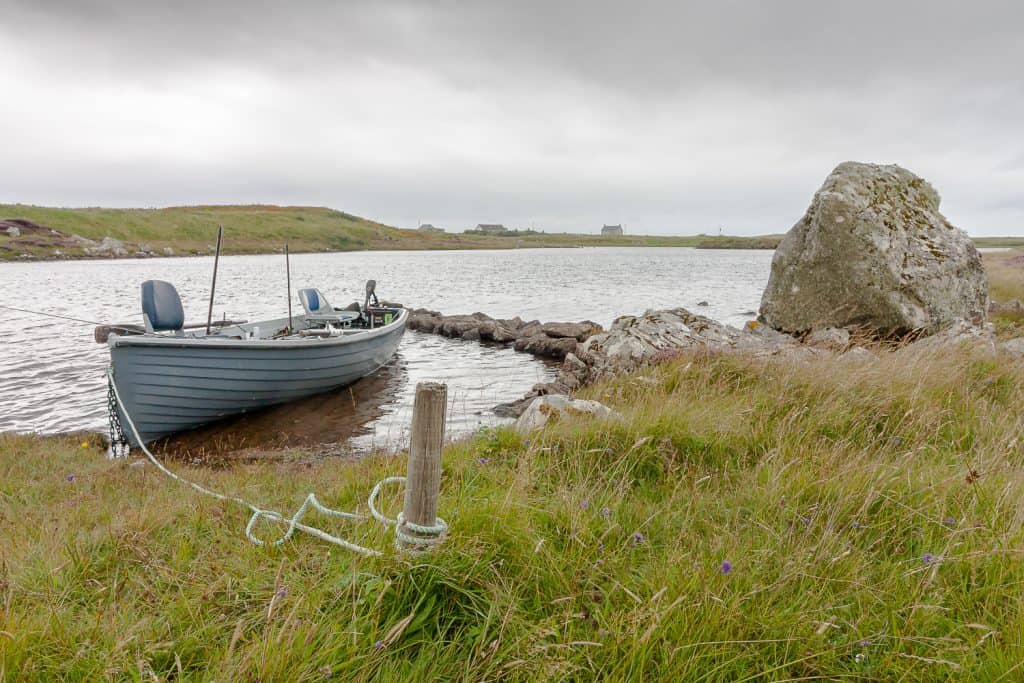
[[170, 385]]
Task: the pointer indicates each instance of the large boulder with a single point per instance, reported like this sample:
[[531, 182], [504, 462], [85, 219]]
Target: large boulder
[[874, 252]]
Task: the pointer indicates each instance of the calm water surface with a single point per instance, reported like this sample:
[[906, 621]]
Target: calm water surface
[[52, 373]]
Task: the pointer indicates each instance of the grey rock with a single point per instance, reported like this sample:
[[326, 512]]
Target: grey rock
[[529, 329], [858, 354], [961, 334], [168, 251], [552, 408], [543, 345], [874, 252], [1013, 347], [578, 331], [14, 231], [496, 330], [457, 325], [832, 338], [472, 334]]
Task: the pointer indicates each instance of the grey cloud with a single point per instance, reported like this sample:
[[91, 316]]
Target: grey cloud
[[671, 117]]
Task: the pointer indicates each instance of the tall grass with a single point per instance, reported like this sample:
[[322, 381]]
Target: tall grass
[[743, 520]]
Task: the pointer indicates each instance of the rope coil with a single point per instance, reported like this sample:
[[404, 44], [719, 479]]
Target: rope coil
[[427, 537]]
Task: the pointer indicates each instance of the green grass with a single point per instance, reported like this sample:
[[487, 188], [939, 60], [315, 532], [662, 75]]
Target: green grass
[[871, 514]]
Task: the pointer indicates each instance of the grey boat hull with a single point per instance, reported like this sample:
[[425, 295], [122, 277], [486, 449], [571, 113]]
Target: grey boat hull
[[168, 385]]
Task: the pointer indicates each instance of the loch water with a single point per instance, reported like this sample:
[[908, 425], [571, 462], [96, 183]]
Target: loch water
[[52, 373]]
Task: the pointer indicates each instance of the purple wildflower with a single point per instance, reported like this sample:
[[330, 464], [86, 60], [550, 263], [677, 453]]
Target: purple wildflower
[[69, 477], [864, 643], [526, 442], [585, 503], [928, 558], [949, 521], [606, 512], [726, 567], [281, 592], [638, 538], [854, 525], [482, 461], [805, 520], [379, 645]]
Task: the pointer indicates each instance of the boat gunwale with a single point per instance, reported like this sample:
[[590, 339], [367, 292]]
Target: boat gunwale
[[118, 341]]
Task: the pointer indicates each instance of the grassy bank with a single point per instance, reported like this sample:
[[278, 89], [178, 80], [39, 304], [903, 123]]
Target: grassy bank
[[265, 229], [744, 520]]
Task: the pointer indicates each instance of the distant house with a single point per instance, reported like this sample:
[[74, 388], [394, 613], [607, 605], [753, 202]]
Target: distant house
[[427, 227], [491, 229], [611, 231]]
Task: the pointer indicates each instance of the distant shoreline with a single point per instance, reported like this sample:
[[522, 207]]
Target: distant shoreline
[[34, 233]]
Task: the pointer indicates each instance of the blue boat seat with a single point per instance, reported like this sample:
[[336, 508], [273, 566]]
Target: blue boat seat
[[161, 307], [318, 310]]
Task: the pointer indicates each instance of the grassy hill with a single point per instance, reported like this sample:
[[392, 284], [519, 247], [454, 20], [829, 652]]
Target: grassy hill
[[57, 233]]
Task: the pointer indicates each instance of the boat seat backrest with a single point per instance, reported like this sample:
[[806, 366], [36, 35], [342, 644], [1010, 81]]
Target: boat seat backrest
[[314, 302], [161, 306]]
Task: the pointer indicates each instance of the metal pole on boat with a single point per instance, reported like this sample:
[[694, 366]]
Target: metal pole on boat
[[213, 286], [288, 271]]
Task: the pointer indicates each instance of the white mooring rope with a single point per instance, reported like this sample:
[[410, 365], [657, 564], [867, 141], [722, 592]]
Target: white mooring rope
[[429, 535]]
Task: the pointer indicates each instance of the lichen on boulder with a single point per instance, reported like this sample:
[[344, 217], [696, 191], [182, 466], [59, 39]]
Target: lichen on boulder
[[874, 253]]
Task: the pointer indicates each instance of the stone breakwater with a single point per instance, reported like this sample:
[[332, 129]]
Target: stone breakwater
[[547, 340]]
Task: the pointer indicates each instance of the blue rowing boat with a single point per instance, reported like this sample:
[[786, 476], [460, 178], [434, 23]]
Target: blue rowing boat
[[173, 377]]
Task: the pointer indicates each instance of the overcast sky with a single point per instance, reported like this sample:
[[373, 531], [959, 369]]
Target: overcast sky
[[673, 118]]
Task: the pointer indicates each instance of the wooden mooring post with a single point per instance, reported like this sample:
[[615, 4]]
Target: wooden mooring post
[[423, 479]]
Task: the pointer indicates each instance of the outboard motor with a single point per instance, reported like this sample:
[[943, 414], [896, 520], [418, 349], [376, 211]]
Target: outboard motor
[[371, 286], [376, 314]]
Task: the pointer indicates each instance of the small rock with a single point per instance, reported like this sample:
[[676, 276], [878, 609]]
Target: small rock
[[1013, 347], [14, 231], [546, 409], [168, 251], [579, 331], [703, 303], [832, 338], [858, 354]]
